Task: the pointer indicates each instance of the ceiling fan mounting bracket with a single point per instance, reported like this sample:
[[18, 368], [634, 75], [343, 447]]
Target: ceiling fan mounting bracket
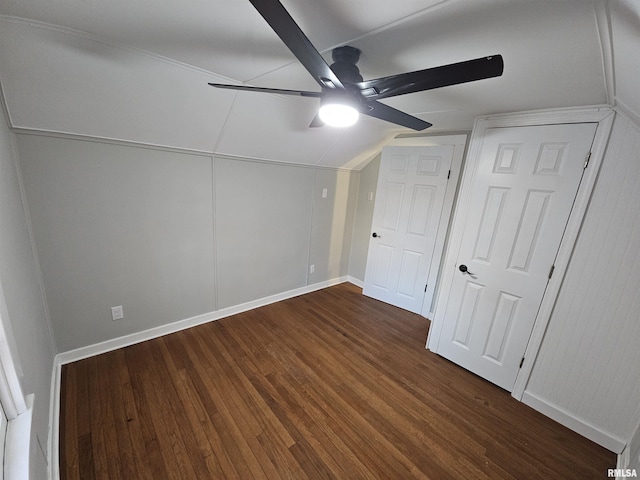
[[344, 64]]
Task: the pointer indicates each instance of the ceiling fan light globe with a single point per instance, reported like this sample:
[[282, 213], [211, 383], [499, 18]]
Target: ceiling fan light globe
[[338, 114]]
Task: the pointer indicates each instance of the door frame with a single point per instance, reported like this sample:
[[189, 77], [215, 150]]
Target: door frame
[[17, 408], [603, 116], [459, 143]]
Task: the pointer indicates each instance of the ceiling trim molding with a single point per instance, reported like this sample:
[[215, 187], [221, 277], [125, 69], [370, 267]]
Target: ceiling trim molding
[[228, 156], [628, 114], [95, 38], [112, 141], [164, 148], [5, 107], [392, 24], [603, 26]]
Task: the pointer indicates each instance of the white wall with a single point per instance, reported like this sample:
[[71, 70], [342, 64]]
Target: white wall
[[170, 235], [32, 346], [588, 368]]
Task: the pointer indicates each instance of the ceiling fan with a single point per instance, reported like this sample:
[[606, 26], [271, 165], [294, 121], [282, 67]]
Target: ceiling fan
[[344, 94]]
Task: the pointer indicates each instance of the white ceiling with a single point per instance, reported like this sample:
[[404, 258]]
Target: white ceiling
[[138, 70]]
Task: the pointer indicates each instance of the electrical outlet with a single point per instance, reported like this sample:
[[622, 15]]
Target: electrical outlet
[[117, 313], [324, 193], [312, 268]]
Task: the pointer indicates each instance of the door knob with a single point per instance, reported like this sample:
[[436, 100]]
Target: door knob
[[464, 269], [375, 235]]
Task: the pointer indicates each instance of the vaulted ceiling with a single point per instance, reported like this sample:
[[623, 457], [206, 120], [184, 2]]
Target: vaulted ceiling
[[138, 70]]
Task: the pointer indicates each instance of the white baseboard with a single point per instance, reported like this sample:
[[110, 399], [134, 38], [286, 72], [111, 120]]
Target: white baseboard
[[581, 426], [138, 337], [16, 448], [54, 423], [357, 282], [623, 458]]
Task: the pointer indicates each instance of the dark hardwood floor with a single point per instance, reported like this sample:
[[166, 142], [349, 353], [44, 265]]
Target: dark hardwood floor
[[329, 385]]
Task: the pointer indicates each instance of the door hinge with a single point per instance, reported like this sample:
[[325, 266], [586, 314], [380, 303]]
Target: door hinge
[[425, 288], [521, 362], [449, 175], [586, 163], [553, 267]]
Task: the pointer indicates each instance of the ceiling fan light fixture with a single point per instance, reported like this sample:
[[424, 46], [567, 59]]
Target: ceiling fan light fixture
[[338, 114]]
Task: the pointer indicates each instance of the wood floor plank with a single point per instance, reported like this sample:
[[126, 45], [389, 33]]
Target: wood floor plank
[[228, 420], [328, 385], [104, 435], [143, 430]]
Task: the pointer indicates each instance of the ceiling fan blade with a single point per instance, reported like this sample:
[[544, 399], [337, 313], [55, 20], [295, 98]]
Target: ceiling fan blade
[[430, 78], [289, 32], [390, 114], [300, 93]]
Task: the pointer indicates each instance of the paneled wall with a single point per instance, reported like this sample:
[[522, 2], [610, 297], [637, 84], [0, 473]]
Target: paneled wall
[[589, 364], [170, 235], [25, 322]]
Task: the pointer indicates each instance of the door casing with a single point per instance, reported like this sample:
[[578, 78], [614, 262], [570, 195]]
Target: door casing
[[459, 143], [601, 115]]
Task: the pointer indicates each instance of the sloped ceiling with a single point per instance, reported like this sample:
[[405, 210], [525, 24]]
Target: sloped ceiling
[[138, 70]]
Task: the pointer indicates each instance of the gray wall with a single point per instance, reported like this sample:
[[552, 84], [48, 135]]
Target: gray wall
[[170, 235], [332, 226], [27, 326], [263, 217], [364, 217], [117, 225]]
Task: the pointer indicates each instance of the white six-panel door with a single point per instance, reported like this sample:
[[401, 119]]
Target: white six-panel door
[[411, 189], [521, 196]]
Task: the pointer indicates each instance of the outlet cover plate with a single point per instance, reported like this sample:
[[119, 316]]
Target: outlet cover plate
[[117, 313]]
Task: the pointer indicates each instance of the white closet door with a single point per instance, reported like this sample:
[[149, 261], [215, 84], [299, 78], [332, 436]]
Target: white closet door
[[521, 196], [410, 196]]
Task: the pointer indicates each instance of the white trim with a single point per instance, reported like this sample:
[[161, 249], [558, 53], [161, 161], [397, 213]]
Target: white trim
[[603, 25], [551, 116], [127, 340], [83, 137], [138, 337], [428, 140], [54, 422], [356, 281], [459, 143], [629, 114], [602, 115], [630, 456], [624, 458], [567, 244], [16, 453], [574, 423], [11, 394], [80, 137]]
